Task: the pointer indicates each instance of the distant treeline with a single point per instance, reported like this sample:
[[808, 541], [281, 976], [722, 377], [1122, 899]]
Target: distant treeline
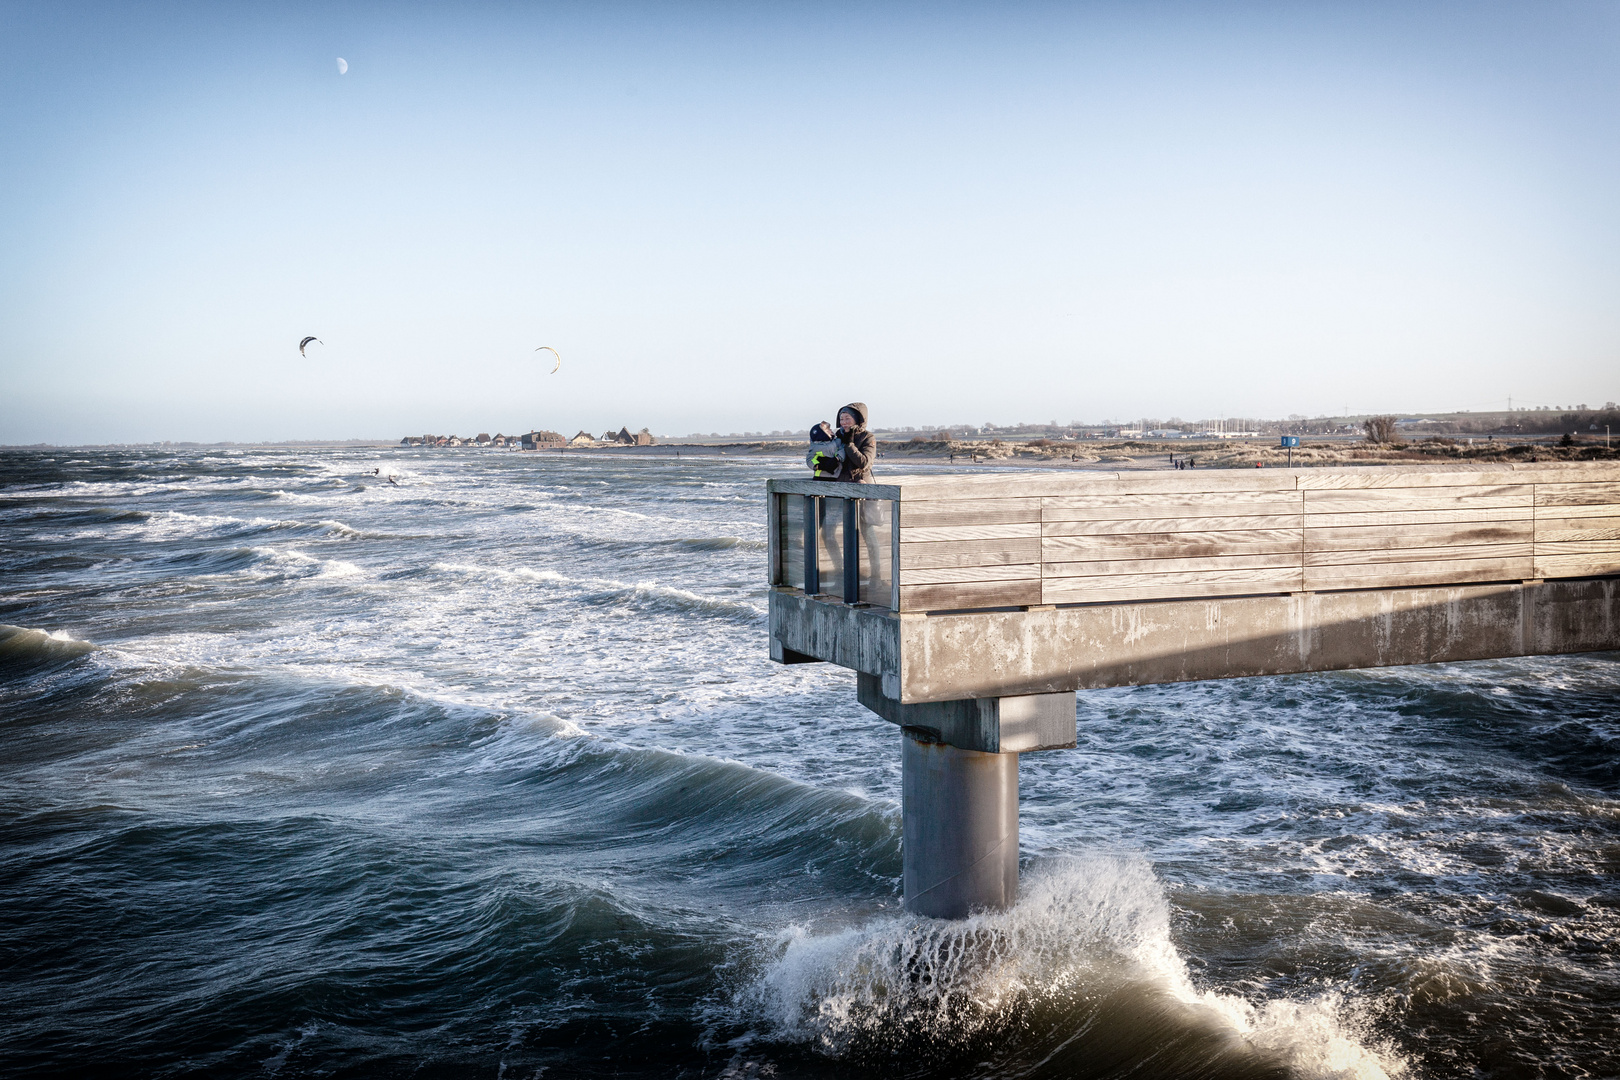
[[1527, 422], [1531, 422]]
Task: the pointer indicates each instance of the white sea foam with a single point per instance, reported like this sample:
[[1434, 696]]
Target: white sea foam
[[179, 524], [685, 600], [169, 524], [1084, 929], [524, 573], [608, 589], [283, 561]]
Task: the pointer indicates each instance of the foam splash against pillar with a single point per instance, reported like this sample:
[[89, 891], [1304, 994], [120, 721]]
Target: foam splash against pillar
[[1081, 972]]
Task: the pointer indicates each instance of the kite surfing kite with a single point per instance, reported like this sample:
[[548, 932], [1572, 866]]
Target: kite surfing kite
[[306, 341], [555, 353]]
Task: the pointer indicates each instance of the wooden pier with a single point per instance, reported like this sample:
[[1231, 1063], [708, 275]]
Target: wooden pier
[[974, 606]]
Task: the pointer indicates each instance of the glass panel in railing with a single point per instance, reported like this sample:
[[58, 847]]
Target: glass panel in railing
[[877, 551], [830, 544], [790, 540]]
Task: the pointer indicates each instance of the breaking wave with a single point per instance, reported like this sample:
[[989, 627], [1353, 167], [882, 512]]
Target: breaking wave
[[606, 592], [1084, 962], [22, 644]]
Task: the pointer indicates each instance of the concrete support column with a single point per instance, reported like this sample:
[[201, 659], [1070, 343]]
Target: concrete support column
[[959, 811]]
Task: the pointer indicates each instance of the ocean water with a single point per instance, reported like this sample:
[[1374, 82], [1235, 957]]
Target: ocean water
[[486, 773]]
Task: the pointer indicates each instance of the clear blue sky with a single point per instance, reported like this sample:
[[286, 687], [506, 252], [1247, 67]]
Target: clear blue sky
[[735, 217]]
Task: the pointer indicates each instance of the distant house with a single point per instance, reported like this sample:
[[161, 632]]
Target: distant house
[[482, 438], [624, 438], [455, 440], [497, 439], [541, 440], [584, 438]]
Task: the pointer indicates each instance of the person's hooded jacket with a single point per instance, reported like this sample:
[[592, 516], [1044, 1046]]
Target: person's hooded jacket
[[860, 447]]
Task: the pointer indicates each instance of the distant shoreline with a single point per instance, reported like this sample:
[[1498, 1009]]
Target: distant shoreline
[[1111, 454], [1122, 454]]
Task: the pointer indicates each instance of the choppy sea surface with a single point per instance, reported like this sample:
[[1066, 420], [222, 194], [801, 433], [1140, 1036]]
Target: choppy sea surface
[[485, 772]]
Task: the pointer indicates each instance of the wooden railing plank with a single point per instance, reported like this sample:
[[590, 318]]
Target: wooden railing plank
[[1584, 546], [1557, 564], [1596, 493], [1170, 505], [1320, 520], [1128, 587], [1571, 530], [1051, 483], [1392, 575], [1588, 518], [975, 512], [1429, 534], [967, 595], [970, 553], [968, 532], [1416, 556], [1554, 514], [948, 574], [1386, 500], [1169, 545], [1215, 566], [1170, 525], [1420, 476]]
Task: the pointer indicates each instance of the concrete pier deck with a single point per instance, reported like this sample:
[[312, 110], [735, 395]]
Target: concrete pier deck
[[974, 606]]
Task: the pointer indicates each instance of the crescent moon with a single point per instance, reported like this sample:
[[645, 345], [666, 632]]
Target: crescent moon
[[555, 353], [343, 66]]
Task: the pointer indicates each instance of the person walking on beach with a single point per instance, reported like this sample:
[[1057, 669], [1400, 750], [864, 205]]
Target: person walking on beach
[[860, 445]]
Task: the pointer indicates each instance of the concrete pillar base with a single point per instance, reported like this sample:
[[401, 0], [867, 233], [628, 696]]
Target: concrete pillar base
[[959, 812]]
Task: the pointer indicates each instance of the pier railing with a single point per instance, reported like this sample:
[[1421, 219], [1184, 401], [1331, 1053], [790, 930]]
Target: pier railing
[[1016, 540], [852, 543]]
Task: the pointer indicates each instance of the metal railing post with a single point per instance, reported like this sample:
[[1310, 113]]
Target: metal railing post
[[852, 563]]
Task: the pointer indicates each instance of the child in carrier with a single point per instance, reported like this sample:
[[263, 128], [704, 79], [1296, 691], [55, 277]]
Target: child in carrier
[[826, 452]]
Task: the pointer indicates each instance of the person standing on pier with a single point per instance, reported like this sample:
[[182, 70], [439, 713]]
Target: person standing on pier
[[860, 445], [858, 449]]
